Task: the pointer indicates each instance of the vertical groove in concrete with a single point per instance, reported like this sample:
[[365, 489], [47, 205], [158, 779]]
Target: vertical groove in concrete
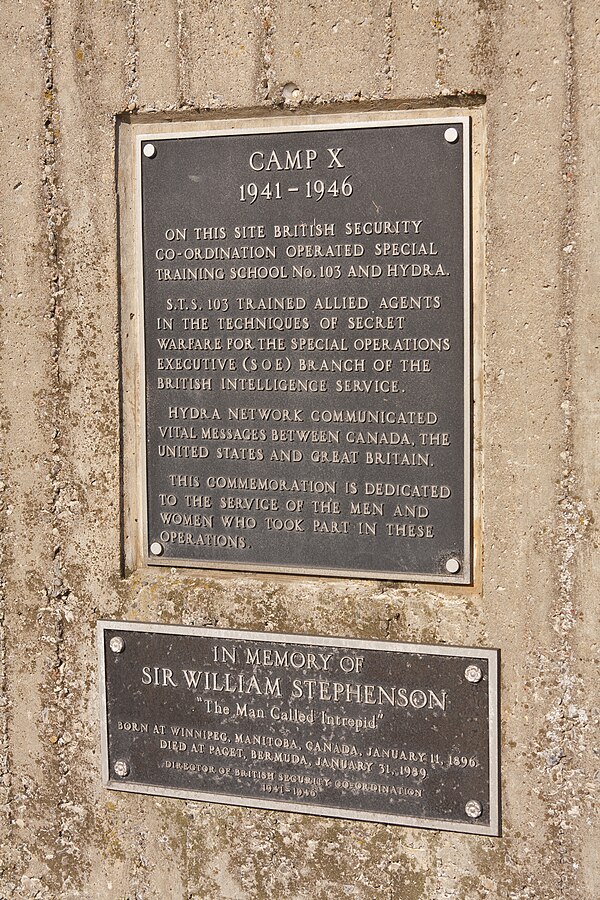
[[51, 616], [585, 334], [183, 79], [266, 29], [5, 777], [574, 719], [440, 70], [388, 50], [132, 58], [563, 717]]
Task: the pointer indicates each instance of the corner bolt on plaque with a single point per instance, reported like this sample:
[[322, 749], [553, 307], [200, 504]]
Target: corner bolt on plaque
[[305, 296], [405, 734]]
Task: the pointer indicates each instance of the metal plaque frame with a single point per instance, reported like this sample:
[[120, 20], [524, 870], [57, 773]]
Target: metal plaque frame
[[137, 507], [491, 656]]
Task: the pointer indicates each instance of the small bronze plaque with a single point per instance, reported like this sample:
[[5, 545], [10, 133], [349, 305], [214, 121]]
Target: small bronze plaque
[[399, 733], [306, 307]]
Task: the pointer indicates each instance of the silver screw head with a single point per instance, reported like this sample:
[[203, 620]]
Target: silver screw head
[[452, 565], [473, 674], [149, 150], [473, 809], [156, 548], [117, 644], [121, 768], [451, 135]]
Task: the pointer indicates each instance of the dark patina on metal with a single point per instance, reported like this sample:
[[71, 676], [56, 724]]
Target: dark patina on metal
[[395, 733], [306, 348]]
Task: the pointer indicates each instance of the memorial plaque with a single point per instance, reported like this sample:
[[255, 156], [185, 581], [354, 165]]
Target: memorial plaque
[[398, 733], [305, 292]]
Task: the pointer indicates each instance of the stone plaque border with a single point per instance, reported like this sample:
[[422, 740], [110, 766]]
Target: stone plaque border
[[491, 656], [134, 498]]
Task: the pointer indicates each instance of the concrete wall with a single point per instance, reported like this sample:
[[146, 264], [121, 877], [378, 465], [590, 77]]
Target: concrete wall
[[68, 68]]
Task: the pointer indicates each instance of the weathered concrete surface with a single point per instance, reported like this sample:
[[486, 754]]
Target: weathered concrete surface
[[67, 69]]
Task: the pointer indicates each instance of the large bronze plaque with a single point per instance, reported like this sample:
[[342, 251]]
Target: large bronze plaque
[[397, 733], [306, 309]]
